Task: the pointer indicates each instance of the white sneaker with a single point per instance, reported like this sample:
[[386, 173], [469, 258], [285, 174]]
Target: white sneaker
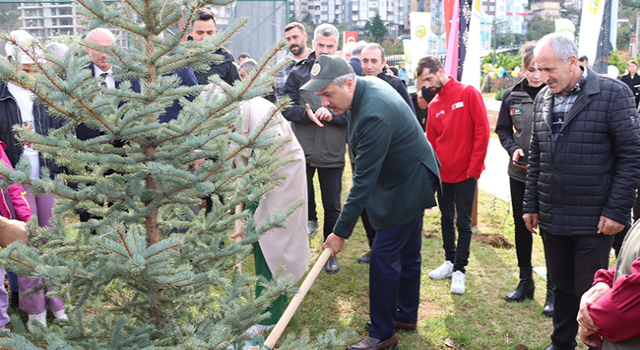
[[258, 329], [40, 318], [444, 271], [60, 315], [457, 282]]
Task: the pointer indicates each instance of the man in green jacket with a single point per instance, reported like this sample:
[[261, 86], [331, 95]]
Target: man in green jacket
[[395, 177]]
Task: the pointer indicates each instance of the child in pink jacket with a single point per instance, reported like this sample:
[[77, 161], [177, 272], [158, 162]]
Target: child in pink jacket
[[16, 195]]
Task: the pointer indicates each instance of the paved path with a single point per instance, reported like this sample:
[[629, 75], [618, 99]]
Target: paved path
[[494, 178]]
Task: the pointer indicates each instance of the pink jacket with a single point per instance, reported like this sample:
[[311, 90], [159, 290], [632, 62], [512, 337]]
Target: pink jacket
[[17, 196]]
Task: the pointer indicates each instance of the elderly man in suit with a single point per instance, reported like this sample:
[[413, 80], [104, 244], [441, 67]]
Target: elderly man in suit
[[395, 177]]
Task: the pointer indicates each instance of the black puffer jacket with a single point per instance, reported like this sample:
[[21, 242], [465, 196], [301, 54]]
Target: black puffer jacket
[[399, 86], [10, 116], [593, 168], [226, 69], [323, 147]]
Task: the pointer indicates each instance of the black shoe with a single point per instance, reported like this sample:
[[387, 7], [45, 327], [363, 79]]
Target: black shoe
[[400, 326], [332, 265], [548, 304], [525, 288], [550, 347], [369, 343], [365, 258]]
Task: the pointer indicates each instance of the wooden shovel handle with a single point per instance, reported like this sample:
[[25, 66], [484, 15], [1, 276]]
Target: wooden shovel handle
[[297, 299]]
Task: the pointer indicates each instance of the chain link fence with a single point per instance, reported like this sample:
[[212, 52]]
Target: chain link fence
[[48, 20]]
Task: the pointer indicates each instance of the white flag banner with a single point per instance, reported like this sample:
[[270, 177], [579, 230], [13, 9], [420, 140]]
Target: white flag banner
[[471, 71], [591, 21], [420, 23], [566, 27]]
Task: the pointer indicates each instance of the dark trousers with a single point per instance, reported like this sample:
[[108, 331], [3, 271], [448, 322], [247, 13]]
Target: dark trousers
[[457, 198], [394, 278], [524, 238], [13, 282], [572, 262], [636, 208], [370, 231], [618, 238], [330, 187]]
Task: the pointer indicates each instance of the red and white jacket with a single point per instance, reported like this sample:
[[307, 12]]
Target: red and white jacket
[[458, 130]]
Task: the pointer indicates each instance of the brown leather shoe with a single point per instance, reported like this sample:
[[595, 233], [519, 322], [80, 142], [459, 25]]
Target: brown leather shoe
[[407, 327], [369, 343], [400, 326]]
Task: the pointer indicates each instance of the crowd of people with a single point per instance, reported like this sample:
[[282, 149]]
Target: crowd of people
[[573, 138]]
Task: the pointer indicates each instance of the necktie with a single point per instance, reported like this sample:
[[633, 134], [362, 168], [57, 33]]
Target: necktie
[[104, 79]]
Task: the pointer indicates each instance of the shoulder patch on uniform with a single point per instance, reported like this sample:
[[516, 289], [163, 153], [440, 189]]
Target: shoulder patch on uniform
[[315, 69]]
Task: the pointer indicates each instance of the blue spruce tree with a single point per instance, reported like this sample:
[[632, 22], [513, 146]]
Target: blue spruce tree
[[153, 275]]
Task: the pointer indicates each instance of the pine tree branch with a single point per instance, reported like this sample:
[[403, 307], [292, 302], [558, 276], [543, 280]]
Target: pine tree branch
[[19, 261], [111, 250], [138, 12], [50, 78], [162, 251], [200, 49]]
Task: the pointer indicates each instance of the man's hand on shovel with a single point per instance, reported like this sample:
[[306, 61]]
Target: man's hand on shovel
[[335, 243]]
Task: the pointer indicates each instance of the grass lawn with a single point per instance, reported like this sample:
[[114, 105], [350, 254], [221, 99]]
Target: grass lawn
[[479, 319]]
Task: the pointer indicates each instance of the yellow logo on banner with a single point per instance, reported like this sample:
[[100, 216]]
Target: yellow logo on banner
[[421, 31], [593, 6]]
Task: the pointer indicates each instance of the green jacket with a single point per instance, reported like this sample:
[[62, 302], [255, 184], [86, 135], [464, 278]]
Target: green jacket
[[393, 159]]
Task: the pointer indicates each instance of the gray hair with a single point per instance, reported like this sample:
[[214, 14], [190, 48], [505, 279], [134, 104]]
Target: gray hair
[[248, 65], [339, 81], [348, 47], [57, 49], [357, 48], [325, 30], [374, 46], [563, 47]]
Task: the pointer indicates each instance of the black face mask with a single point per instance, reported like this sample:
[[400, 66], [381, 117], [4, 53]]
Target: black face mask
[[427, 94]]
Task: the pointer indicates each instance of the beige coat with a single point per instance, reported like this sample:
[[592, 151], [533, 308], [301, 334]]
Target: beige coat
[[289, 246]]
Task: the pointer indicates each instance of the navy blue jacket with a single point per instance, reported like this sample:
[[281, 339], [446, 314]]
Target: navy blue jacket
[[83, 132], [356, 64], [188, 78]]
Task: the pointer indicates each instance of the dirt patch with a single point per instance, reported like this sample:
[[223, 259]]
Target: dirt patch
[[492, 239], [522, 347], [431, 233]]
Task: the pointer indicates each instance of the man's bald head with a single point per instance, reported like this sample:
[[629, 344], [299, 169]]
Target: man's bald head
[[101, 37]]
